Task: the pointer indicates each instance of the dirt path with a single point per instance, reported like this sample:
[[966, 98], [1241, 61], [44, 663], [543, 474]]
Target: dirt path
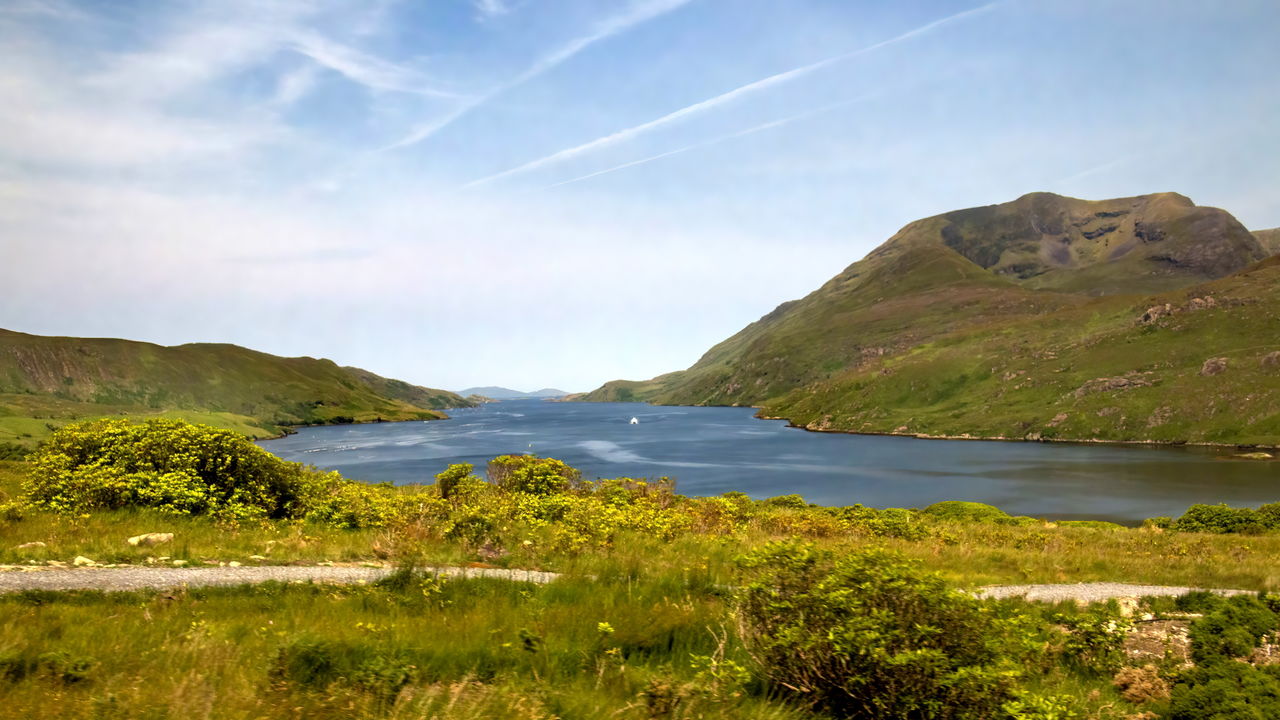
[[1092, 592], [141, 578]]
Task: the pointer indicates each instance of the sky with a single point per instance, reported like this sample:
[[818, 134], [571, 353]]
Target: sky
[[536, 193]]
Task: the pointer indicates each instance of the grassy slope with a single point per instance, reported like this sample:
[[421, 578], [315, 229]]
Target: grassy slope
[[1019, 379], [1270, 240], [1025, 266], [51, 380]]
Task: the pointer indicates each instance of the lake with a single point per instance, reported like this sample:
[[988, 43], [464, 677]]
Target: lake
[[709, 451]]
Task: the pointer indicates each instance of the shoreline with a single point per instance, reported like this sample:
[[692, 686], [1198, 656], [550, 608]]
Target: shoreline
[[1001, 438]]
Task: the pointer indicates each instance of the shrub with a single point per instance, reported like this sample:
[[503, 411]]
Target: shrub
[[1094, 641], [961, 511], [318, 664], [454, 476], [795, 502], [1231, 631], [1141, 684], [1227, 691], [871, 636], [533, 475], [171, 466], [1224, 519]]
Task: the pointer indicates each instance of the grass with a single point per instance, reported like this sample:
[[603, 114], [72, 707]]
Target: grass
[[967, 553], [633, 629]]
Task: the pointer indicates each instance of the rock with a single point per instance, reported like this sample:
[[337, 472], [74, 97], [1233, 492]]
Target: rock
[[1214, 366], [1057, 420], [82, 561], [257, 557], [1155, 312], [233, 563], [1110, 384], [1255, 456], [150, 539], [1271, 360], [179, 563], [30, 546]]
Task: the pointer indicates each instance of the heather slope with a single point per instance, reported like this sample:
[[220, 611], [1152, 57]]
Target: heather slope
[[1196, 365], [46, 381]]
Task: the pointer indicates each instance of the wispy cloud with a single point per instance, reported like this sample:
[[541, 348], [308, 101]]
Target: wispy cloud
[[491, 8], [367, 70], [725, 98], [714, 141], [638, 14]]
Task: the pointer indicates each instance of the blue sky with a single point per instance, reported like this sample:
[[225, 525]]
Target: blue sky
[[561, 192]]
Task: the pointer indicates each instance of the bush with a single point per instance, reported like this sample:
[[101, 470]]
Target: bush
[[318, 664], [1232, 630], [454, 477], [1225, 519], [187, 469], [533, 475], [13, 451], [961, 511], [1095, 640], [871, 636], [1227, 691]]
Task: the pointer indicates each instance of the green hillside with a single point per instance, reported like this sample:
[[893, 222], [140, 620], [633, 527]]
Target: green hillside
[[834, 359], [47, 381]]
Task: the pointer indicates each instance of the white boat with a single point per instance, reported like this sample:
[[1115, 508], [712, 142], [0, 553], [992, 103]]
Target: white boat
[[635, 421]]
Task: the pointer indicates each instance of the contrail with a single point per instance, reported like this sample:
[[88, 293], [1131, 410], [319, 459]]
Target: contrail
[[607, 29], [713, 141], [718, 100]]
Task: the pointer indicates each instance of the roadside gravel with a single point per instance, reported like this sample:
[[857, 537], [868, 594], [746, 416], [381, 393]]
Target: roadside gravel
[[1092, 592], [159, 578], [142, 578]]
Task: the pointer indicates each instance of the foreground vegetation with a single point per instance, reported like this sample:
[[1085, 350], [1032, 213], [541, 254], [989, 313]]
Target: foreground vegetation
[[667, 607]]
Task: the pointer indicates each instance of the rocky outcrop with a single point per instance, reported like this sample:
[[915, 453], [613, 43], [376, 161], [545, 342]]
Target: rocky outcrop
[[1214, 366], [1113, 384]]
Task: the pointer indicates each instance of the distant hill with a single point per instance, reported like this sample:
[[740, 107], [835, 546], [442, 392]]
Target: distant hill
[[1270, 240], [855, 354], [500, 393], [47, 381]]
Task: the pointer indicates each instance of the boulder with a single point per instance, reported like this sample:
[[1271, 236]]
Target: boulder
[[1271, 360], [30, 546], [82, 561], [150, 539], [1214, 366]]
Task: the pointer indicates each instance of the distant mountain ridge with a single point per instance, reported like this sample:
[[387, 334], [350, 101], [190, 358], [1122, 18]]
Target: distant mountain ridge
[[62, 378], [1016, 268], [501, 393]]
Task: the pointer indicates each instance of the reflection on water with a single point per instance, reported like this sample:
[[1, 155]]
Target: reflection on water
[[714, 450]]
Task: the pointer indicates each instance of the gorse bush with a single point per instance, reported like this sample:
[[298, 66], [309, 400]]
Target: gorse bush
[[871, 636], [172, 466], [1223, 519], [532, 475]]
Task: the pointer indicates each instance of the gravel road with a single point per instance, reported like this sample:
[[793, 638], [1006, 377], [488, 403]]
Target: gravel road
[[140, 578], [1091, 592]]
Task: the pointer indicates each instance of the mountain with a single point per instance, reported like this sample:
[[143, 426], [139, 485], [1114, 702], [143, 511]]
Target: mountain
[[1270, 240], [500, 393], [895, 341], [50, 380]]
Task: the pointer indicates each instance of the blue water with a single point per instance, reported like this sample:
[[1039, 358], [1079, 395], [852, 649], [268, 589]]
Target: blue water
[[709, 451]]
